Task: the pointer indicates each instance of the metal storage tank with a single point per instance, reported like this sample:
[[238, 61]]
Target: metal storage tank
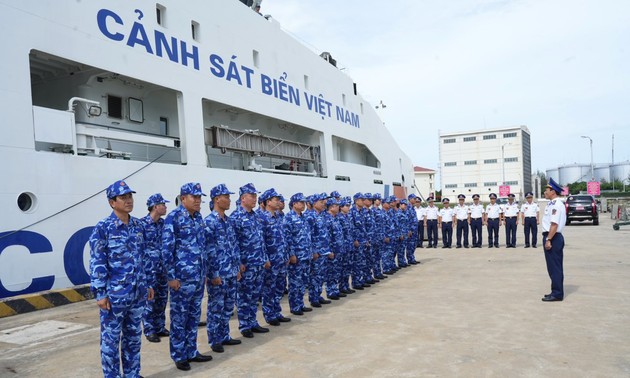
[[620, 171], [602, 172], [574, 173], [553, 173]]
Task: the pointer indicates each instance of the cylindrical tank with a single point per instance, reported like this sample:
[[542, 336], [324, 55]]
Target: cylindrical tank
[[553, 173], [574, 173], [602, 172], [620, 171]]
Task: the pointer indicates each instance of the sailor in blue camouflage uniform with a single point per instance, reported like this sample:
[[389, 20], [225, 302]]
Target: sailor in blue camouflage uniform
[[379, 236], [399, 235], [249, 234], [370, 227], [223, 269], [121, 283], [274, 280], [360, 243], [320, 247], [185, 255], [297, 237], [412, 221], [154, 319], [337, 246], [389, 236], [346, 266], [403, 222]]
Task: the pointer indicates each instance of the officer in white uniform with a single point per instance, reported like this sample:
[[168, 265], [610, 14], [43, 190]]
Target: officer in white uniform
[[445, 221], [462, 220], [492, 218], [431, 223], [476, 221], [420, 213], [510, 216], [553, 223], [530, 219]]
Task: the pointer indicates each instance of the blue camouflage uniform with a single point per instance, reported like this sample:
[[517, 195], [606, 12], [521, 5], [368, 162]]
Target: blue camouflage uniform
[[389, 231], [320, 244], [403, 228], [249, 234], [120, 271], [412, 220], [274, 278], [370, 227], [346, 263], [224, 262], [358, 233], [154, 319], [298, 243], [337, 246], [184, 251]]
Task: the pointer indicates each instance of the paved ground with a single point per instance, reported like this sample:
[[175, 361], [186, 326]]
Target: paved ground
[[464, 312]]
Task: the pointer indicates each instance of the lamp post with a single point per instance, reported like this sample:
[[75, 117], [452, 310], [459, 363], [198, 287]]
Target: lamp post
[[592, 169]]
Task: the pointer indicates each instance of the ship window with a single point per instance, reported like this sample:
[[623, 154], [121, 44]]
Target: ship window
[[163, 126], [160, 13], [114, 106], [343, 98], [306, 82], [26, 201], [256, 57], [342, 178], [136, 110], [194, 26]]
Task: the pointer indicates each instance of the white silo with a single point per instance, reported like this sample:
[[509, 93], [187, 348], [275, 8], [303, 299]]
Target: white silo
[[602, 172], [571, 173], [620, 171]]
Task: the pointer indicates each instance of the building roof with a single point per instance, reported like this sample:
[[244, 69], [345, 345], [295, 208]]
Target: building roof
[[484, 131], [421, 169]]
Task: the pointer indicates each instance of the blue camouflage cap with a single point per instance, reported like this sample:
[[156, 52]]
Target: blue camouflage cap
[[193, 188], [377, 196], [318, 197], [297, 197], [247, 188], [554, 186], [332, 201], [219, 190], [404, 202], [118, 189], [335, 194], [156, 199], [367, 196], [345, 201], [281, 198], [412, 195], [358, 195], [269, 194]]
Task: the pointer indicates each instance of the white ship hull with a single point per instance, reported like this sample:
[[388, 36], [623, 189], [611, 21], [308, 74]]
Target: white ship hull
[[295, 121]]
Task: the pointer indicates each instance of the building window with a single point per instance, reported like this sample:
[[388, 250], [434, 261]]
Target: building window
[[470, 162], [450, 186], [450, 140], [509, 135], [511, 160], [470, 139], [450, 164], [490, 161], [490, 183], [492, 136], [470, 185], [511, 183]]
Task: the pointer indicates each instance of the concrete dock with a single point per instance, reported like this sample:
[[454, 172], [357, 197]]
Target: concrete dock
[[462, 312]]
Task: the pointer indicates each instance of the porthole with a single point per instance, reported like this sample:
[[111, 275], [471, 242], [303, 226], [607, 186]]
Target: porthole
[[26, 201], [178, 200]]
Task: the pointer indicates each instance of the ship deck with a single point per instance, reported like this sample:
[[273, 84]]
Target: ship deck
[[462, 312]]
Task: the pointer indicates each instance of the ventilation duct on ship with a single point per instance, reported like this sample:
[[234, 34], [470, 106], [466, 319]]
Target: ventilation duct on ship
[[327, 57]]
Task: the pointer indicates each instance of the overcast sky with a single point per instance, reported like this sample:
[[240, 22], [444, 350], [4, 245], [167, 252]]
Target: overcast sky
[[562, 68]]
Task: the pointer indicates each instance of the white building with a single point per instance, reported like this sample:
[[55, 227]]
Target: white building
[[424, 181], [480, 161]]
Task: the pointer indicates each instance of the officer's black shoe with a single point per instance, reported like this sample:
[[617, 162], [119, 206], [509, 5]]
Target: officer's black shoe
[[182, 365], [388, 272], [466, 246], [298, 313], [459, 246], [358, 288], [342, 295], [217, 348], [283, 319], [435, 246], [526, 246], [316, 304], [201, 358], [247, 333], [259, 329], [307, 309], [535, 246], [324, 301], [366, 285], [153, 338], [334, 297], [231, 342], [490, 246], [551, 298], [372, 282], [164, 333], [496, 246], [202, 324], [350, 291], [274, 322]]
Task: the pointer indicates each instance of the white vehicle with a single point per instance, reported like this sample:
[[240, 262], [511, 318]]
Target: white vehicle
[[161, 94]]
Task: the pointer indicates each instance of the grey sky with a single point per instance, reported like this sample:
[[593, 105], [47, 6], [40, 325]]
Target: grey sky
[[562, 68]]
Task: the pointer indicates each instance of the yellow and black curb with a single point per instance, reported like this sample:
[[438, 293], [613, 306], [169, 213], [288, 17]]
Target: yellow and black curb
[[46, 299]]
